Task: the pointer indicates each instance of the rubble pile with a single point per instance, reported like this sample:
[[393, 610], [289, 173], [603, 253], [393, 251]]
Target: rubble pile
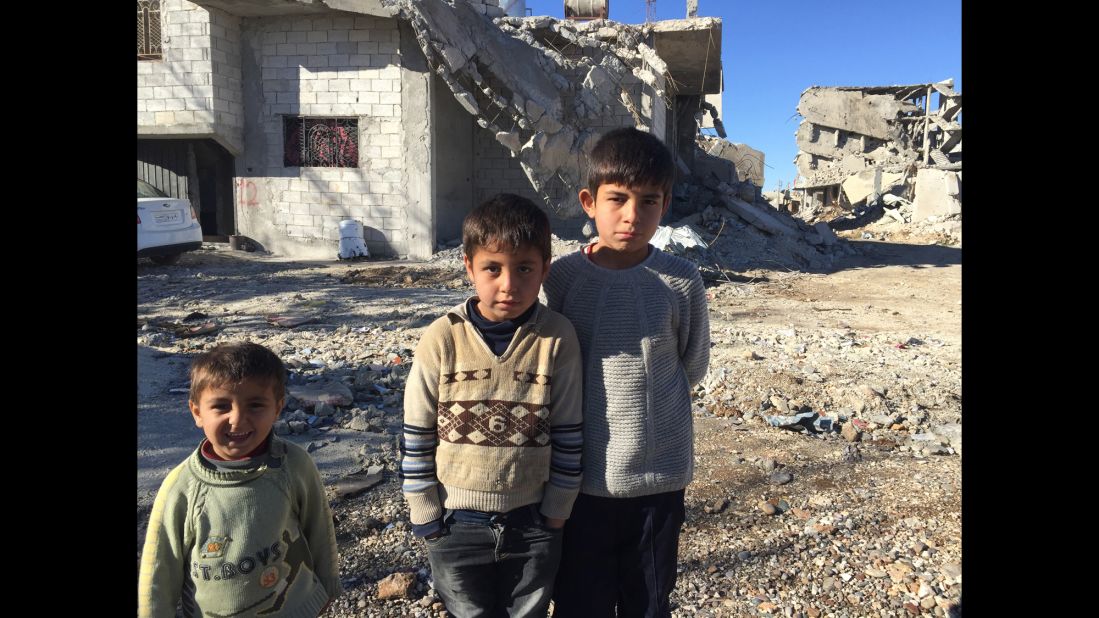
[[879, 146], [539, 114]]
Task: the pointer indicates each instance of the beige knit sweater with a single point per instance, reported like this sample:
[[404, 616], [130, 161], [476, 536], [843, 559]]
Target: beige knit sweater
[[493, 433]]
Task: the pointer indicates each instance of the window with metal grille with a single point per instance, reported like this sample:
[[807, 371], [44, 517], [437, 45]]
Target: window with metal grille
[[320, 142], [148, 30]]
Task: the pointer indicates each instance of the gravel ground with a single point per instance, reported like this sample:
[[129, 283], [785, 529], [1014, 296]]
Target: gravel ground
[[860, 522]]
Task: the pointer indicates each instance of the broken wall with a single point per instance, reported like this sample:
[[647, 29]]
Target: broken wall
[[850, 132], [540, 115]]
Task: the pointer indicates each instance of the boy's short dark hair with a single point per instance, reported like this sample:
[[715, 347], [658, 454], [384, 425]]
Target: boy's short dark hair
[[506, 222], [631, 158], [232, 363]]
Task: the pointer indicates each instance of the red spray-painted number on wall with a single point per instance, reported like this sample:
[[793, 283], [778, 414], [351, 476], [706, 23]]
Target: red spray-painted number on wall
[[248, 193]]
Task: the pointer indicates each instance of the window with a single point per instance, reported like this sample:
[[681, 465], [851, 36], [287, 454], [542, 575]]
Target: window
[[148, 30], [320, 142]]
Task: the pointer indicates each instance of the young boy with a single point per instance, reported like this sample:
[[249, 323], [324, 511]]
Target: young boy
[[242, 527], [645, 337], [492, 426]]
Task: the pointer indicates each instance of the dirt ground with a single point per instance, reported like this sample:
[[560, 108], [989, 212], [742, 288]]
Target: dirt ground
[[871, 527]]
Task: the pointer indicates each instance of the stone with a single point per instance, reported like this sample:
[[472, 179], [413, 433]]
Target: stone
[[898, 571], [780, 404], [324, 409], [952, 571], [912, 609], [282, 428], [952, 433], [851, 433], [767, 465], [716, 506], [332, 393], [359, 423], [743, 555], [938, 194], [780, 477], [397, 585], [354, 484], [876, 573], [767, 508], [885, 420], [299, 427]]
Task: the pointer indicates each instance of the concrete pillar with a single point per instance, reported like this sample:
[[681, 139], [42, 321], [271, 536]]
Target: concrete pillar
[[416, 84]]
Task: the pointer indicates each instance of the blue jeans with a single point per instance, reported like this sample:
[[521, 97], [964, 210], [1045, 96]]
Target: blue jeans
[[490, 565]]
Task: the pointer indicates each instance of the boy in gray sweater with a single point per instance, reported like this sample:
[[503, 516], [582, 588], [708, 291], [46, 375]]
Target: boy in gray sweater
[[642, 321]]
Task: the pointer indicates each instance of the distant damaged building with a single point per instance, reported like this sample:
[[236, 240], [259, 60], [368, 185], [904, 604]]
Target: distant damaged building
[[860, 143]]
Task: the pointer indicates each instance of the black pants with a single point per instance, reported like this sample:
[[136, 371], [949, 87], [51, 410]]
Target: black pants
[[619, 552]]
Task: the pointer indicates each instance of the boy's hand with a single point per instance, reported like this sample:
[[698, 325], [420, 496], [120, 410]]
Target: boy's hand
[[554, 523]]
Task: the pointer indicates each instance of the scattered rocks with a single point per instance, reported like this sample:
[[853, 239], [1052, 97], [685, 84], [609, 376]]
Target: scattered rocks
[[837, 516]]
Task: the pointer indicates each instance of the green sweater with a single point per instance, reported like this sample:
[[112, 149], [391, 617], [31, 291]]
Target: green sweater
[[493, 433], [252, 543]]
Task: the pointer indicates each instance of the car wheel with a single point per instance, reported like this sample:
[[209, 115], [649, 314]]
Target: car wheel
[[166, 260]]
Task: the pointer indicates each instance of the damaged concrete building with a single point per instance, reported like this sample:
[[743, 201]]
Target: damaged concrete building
[[281, 118], [859, 144]]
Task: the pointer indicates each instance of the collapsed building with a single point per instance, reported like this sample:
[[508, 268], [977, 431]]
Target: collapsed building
[[279, 119], [870, 145]]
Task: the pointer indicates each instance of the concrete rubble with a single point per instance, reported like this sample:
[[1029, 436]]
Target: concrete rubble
[[860, 144], [539, 114], [586, 73]]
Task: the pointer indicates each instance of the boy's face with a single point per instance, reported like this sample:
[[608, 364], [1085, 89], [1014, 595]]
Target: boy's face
[[236, 418], [626, 218], [507, 282]]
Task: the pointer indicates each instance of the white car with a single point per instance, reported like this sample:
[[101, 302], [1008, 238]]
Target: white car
[[166, 226]]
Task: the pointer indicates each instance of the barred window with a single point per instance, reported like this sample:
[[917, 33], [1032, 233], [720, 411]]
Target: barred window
[[320, 142], [148, 30]]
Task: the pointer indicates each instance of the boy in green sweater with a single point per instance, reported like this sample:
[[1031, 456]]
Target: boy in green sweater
[[490, 456], [242, 527]]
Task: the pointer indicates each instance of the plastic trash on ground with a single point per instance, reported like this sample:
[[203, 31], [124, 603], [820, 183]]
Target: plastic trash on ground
[[679, 238]]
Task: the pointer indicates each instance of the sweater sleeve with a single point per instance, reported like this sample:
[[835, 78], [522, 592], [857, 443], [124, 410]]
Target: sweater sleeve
[[317, 526], [164, 556], [419, 437], [694, 335], [566, 427]]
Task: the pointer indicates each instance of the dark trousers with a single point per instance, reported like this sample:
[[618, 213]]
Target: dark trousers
[[493, 565], [619, 552]]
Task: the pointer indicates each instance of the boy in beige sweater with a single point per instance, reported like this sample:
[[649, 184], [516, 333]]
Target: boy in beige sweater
[[490, 455]]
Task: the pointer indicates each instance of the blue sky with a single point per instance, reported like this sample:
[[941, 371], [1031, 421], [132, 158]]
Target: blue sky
[[772, 50]]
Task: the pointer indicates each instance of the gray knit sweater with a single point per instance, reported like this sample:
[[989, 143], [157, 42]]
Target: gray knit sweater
[[645, 339]]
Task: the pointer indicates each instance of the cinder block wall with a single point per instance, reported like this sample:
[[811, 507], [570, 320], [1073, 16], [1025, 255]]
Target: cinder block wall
[[226, 76], [193, 90], [323, 67], [174, 93]]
